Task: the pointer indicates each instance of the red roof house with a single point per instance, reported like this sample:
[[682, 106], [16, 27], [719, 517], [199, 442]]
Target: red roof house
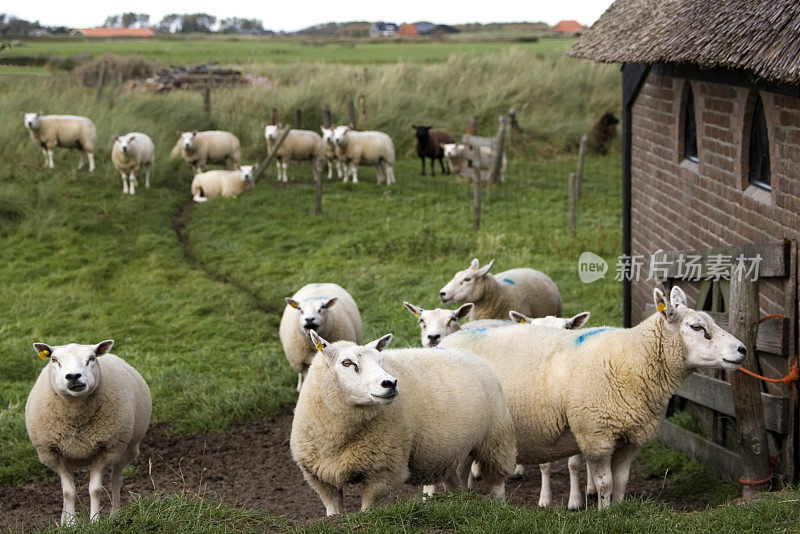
[[569, 26], [114, 32]]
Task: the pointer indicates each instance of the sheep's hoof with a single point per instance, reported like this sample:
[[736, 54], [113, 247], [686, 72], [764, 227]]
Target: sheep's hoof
[[575, 507]]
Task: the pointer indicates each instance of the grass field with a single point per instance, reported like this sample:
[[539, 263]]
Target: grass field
[[83, 263]]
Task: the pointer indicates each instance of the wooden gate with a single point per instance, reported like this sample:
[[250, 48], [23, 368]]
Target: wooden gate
[[738, 414]]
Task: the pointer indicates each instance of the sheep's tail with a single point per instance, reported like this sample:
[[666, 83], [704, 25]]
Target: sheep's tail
[[176, 150]]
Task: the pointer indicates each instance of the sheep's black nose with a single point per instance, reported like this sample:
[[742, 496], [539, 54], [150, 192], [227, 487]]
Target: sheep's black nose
[[389, 384], [73, 377], [441, 294], [434, 337], [742, 349]]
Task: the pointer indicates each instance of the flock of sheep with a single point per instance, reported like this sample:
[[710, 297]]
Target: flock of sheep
[[340, 147], [475, 400]]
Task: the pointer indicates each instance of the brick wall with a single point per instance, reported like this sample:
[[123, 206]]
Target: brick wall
[[680, 205]]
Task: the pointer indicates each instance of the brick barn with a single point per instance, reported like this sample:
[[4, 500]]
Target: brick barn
[[711, 158]]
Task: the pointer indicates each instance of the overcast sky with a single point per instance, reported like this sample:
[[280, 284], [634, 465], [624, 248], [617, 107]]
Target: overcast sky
[[293, 15]]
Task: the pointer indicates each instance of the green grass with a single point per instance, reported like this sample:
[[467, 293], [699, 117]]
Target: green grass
[[244, 50], [773, 513]]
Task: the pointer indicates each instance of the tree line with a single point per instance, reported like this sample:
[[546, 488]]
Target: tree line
[[188, 23]]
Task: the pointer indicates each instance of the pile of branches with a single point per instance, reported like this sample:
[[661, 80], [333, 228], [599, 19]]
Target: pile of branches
[[194, 76]]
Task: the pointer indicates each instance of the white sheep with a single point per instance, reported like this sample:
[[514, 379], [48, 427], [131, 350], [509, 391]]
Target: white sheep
[[231, 184], [87, 408], [212, 146], [330, 153], [458, 158], [365, 148], [390, 416], [601, 392], [67, 131], [299, 145], [129, 154], [436, 324], [527, 291], [327, 309]]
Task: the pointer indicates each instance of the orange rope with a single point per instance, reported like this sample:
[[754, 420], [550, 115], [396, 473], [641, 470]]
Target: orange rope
[[794, 373], [773, 466]]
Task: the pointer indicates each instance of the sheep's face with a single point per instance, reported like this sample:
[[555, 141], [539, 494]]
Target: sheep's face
[[188, 140], [466, 285], [358, 370], [452, 150], [248, 173], [438, 323], [705, 344], [125, 143], [422, 132], [313, 312], [32, 121], [73, 368], [271, 132], [340, 135], [551, 321], [327, 135]]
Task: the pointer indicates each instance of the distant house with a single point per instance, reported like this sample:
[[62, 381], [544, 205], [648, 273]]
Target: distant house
[[407, 29], [425, 28], [568, 26], [39, 32], [383, 29], [113, 32]]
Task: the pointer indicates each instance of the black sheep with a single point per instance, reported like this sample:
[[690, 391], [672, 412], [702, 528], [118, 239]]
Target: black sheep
[[428, 144]]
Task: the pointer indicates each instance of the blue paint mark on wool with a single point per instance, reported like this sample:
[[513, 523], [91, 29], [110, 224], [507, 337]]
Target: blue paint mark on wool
[[316, 298], [581, 338], [509, 281]]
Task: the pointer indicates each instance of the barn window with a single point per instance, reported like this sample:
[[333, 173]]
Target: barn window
[[758, 171], [689, 127]]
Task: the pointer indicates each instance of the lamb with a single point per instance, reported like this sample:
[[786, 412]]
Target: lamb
[[458, 157], [212, 146], [299, 145], [330, 153], [129, 154], [365, 148], [87, 408], [438, 323], [231, 184], [327, 309], [527, 291], [68, 131], [600, 392], [388, 416], [428, 144]]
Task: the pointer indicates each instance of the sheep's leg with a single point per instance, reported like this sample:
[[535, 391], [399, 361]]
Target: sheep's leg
[[147, 177], [332, 497], [340, 169], [278, 165], [621, 469], [441, 164], [285, 171], [601, 471], [473, 474], [591, 489], [433, 167], [452, 481], [46, 161], [428, 490], [423, 165], [519, 471], [389, 175], [545, 493], [50, 158], [133, 182], [299, 382], [81, 159], [90, 155], [354, 173], [68, 516], [575, 496], [95, 489], [330, 168], [124, 182], [373, 490], [380, 173]]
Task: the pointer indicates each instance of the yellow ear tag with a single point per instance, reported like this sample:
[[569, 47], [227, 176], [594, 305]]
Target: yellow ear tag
[[417, 314], [661, 307], [318, 346], [43, 354], [523, 321]]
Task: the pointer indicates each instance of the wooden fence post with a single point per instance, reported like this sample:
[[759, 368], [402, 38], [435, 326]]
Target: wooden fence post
[[573, 200], [326, 116], [207, 97], [274, 116], [351, 110], [515, 128], [581, 157], [499, 147], [476, 205], [362, 104], [473, 126], [318, 182], [298, 119], [747, 405], [271, 156], [100, 80]]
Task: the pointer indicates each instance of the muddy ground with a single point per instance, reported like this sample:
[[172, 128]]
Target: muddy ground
[[251, 466]]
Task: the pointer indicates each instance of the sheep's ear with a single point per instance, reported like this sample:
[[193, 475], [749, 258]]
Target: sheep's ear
[[663, 306], [578, 320], [103, 347], [237, 166], [678, 298], [43, 350], [323, 346], [116, 138], [255, 166], [517, 317], [380, 344], [178, 133], [293, 303], [194, 132], [39, 113], [131, 138], [463, 311], [279, 125], [414, 126], [475, 264], [416, 310], [483, 271], [330, 303]]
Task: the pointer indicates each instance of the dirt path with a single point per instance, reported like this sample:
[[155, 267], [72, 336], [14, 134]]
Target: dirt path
[[251, 466]]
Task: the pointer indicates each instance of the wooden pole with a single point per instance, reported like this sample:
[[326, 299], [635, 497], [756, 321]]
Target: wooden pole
[[747, 406], [499, 147], [351, 110], [573, 193], [207, 97], [100, 79], [473, 126], [318, 182], [581, 158], [326, 116], [271, 156], [362, 104], [274, 116], [515, 129], [298, 119], [476, 205]]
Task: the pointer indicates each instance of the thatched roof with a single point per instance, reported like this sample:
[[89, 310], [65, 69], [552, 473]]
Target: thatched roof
[[761, 36]]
